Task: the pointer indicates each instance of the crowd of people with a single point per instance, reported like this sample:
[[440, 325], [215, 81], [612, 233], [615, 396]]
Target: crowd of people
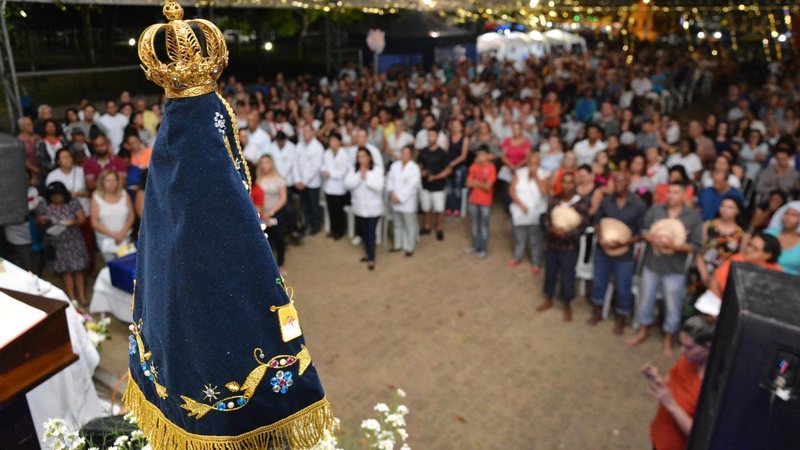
[[589, 133]]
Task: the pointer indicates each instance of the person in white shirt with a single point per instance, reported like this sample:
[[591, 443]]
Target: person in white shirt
[[281, 125], [396, 141], [421, 141], [72, 176], [528, 192], [284, 157], [641, 85], [366, 191], [308, 178], [686, 157], [362, 140], [335, 166], [258, 142], [114, 124], [404, 184], [586, 149], [111, 214]]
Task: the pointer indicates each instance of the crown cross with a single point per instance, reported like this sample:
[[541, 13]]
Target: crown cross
[[192, 70]]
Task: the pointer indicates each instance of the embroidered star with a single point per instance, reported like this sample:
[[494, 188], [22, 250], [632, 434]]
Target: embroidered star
[[210, 392], [154, 370]]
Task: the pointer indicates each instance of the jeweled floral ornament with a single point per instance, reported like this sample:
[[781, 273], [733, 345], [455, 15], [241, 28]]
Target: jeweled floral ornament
[[217, 356]]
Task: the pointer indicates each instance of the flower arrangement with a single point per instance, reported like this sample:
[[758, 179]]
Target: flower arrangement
[[384, 432], [97, 330], [57, 436], [389, 428]]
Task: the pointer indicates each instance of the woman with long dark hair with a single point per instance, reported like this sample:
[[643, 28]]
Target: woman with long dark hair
[[365, 183], [62, 216]]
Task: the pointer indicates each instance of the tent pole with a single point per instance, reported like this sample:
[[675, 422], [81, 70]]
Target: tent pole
[[12, 96]]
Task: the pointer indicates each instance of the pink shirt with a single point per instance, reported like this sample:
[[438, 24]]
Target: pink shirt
[[516, 153]]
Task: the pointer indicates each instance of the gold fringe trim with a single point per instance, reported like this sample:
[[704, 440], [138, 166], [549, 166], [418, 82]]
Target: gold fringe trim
[[301, 430]]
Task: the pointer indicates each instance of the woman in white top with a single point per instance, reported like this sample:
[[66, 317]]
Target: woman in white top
[[72, 176], [529, 201], [366, 190], [403, 184], [111, 214], [335, 165]]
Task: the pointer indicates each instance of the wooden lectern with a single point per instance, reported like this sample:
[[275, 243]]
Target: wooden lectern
[[26, 362]]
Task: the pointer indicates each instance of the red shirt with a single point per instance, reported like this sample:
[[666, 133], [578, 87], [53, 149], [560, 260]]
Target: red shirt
[[684, 383], [482, 173], [92, 167], [257, 195]]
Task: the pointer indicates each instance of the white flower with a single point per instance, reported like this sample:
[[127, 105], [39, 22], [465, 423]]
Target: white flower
[[402, 410], [385, 445], [381, 408], [147, 447], [137, 434], [93, 448], [395, 420], [371, 425], [77, 444], [121, 440], [130, 418], [402, 433], [401, 393], [405, 447]]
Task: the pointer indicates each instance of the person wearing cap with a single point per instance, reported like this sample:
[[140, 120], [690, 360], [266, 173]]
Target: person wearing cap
[[335, 165], [284, 156], [480, 180], [562, 247], [665, 265], [403, 185], [616, 257], [308, 178]]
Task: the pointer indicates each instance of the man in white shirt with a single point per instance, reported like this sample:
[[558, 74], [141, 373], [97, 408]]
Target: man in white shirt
[[335, 166], [258, 142], [114, 124], [422, 136], [397, 140], [404, 184], [586, 150], [284, 155], [308, 178]]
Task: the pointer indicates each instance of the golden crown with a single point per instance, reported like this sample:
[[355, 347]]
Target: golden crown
[[191, 71]]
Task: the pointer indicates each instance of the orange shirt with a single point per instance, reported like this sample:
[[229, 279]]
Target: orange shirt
[[557, 180], [685, 384], [552, 114], [142, 158], [483, 173], [721, 274]]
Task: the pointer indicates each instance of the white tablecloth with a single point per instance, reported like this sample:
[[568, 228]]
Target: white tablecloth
[[106, 298], [69, 394]]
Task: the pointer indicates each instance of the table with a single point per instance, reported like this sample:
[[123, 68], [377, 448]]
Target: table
[[109, 299], [70, 394]]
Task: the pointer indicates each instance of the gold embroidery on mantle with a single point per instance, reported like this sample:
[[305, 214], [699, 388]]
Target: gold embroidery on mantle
[[242, 393]]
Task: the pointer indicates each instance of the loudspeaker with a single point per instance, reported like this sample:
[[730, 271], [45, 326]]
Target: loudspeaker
[[756, 349], [13, 181]]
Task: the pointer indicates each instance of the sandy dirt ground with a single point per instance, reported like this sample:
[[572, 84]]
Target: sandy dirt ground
[[481, 368]]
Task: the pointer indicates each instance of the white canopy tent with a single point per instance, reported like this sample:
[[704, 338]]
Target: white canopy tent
[[567, 41]]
